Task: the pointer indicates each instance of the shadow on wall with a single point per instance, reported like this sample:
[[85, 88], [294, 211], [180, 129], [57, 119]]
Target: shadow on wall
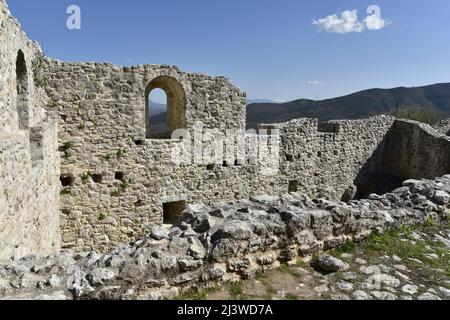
[[408, 151], [22, 91]]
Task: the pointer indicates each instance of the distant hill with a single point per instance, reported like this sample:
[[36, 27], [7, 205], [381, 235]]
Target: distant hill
[[157, 108], [250, 101], [354, 106]]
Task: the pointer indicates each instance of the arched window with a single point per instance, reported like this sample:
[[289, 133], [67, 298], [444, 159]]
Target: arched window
[[22, 91], [157, 111], [161, 126]]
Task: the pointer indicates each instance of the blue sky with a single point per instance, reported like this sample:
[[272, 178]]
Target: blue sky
[[270, 49]]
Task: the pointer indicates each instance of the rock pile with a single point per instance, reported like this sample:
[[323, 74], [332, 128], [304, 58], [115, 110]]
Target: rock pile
[[222, 242]]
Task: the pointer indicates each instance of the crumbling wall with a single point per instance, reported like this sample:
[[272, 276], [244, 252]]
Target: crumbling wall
[[415, 150], [115, 181], [29, 161], [222, 243], [443, 127], [409, 150], [325, 159]]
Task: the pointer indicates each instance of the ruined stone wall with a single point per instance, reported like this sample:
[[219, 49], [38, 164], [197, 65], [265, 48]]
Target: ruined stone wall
[[116, 181], [221, 243], [29, 161], [325, 159], [443, 127], [415, 150]]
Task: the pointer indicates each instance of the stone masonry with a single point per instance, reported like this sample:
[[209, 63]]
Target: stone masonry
[[113, 179], [29, 159], [217, 244]]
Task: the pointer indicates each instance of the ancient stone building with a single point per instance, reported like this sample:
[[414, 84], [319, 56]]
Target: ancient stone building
[[117, 178], [29, 158]]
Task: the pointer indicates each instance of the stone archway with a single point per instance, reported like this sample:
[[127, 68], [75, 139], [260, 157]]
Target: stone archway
[[176, 107]]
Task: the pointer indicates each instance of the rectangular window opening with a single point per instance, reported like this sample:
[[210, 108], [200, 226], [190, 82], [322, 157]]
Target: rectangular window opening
[[293, 186], [172, 212]]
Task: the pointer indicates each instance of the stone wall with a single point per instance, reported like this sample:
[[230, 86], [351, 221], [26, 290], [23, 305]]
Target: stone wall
[[443, 127], [415, 150], [224, 242], [325, 159], [117, 179], [409, 150], [29, 160]]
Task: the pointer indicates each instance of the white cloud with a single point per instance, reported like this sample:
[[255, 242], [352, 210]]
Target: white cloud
[[315, 83], [348, 21], [344, 22]]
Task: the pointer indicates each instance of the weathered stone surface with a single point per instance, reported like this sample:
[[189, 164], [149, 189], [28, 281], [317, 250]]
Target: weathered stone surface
[[29, 159], [410, 289], [428, 296], [239, 246], [361, 295], [115, 178], [100, 276], [328, 263]]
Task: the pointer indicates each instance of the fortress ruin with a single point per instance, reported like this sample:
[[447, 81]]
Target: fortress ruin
[[81, 169]]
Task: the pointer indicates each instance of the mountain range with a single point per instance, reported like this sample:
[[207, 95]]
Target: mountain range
[[157, 108], [354, 106]]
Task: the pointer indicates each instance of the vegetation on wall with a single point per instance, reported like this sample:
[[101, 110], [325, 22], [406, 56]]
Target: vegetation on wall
[[426, 115], [65, 149]]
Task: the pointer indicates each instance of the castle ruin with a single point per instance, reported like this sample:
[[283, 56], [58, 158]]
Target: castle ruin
[[80, 167]]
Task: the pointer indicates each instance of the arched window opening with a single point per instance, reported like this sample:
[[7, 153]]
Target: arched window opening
[[157, 111], [22, 91], [160, 125]]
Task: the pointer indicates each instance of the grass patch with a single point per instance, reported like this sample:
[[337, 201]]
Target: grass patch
[[291, 296], [193, 294], [259, 274], [287, 269], [120, 153], [85, 177], [302, 263], [115, 194], [65, 191], [270, 290], [65, 149], [390, 243], [348, 247], [124, 183], [235, 288], [430, 225], [284, 268]]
